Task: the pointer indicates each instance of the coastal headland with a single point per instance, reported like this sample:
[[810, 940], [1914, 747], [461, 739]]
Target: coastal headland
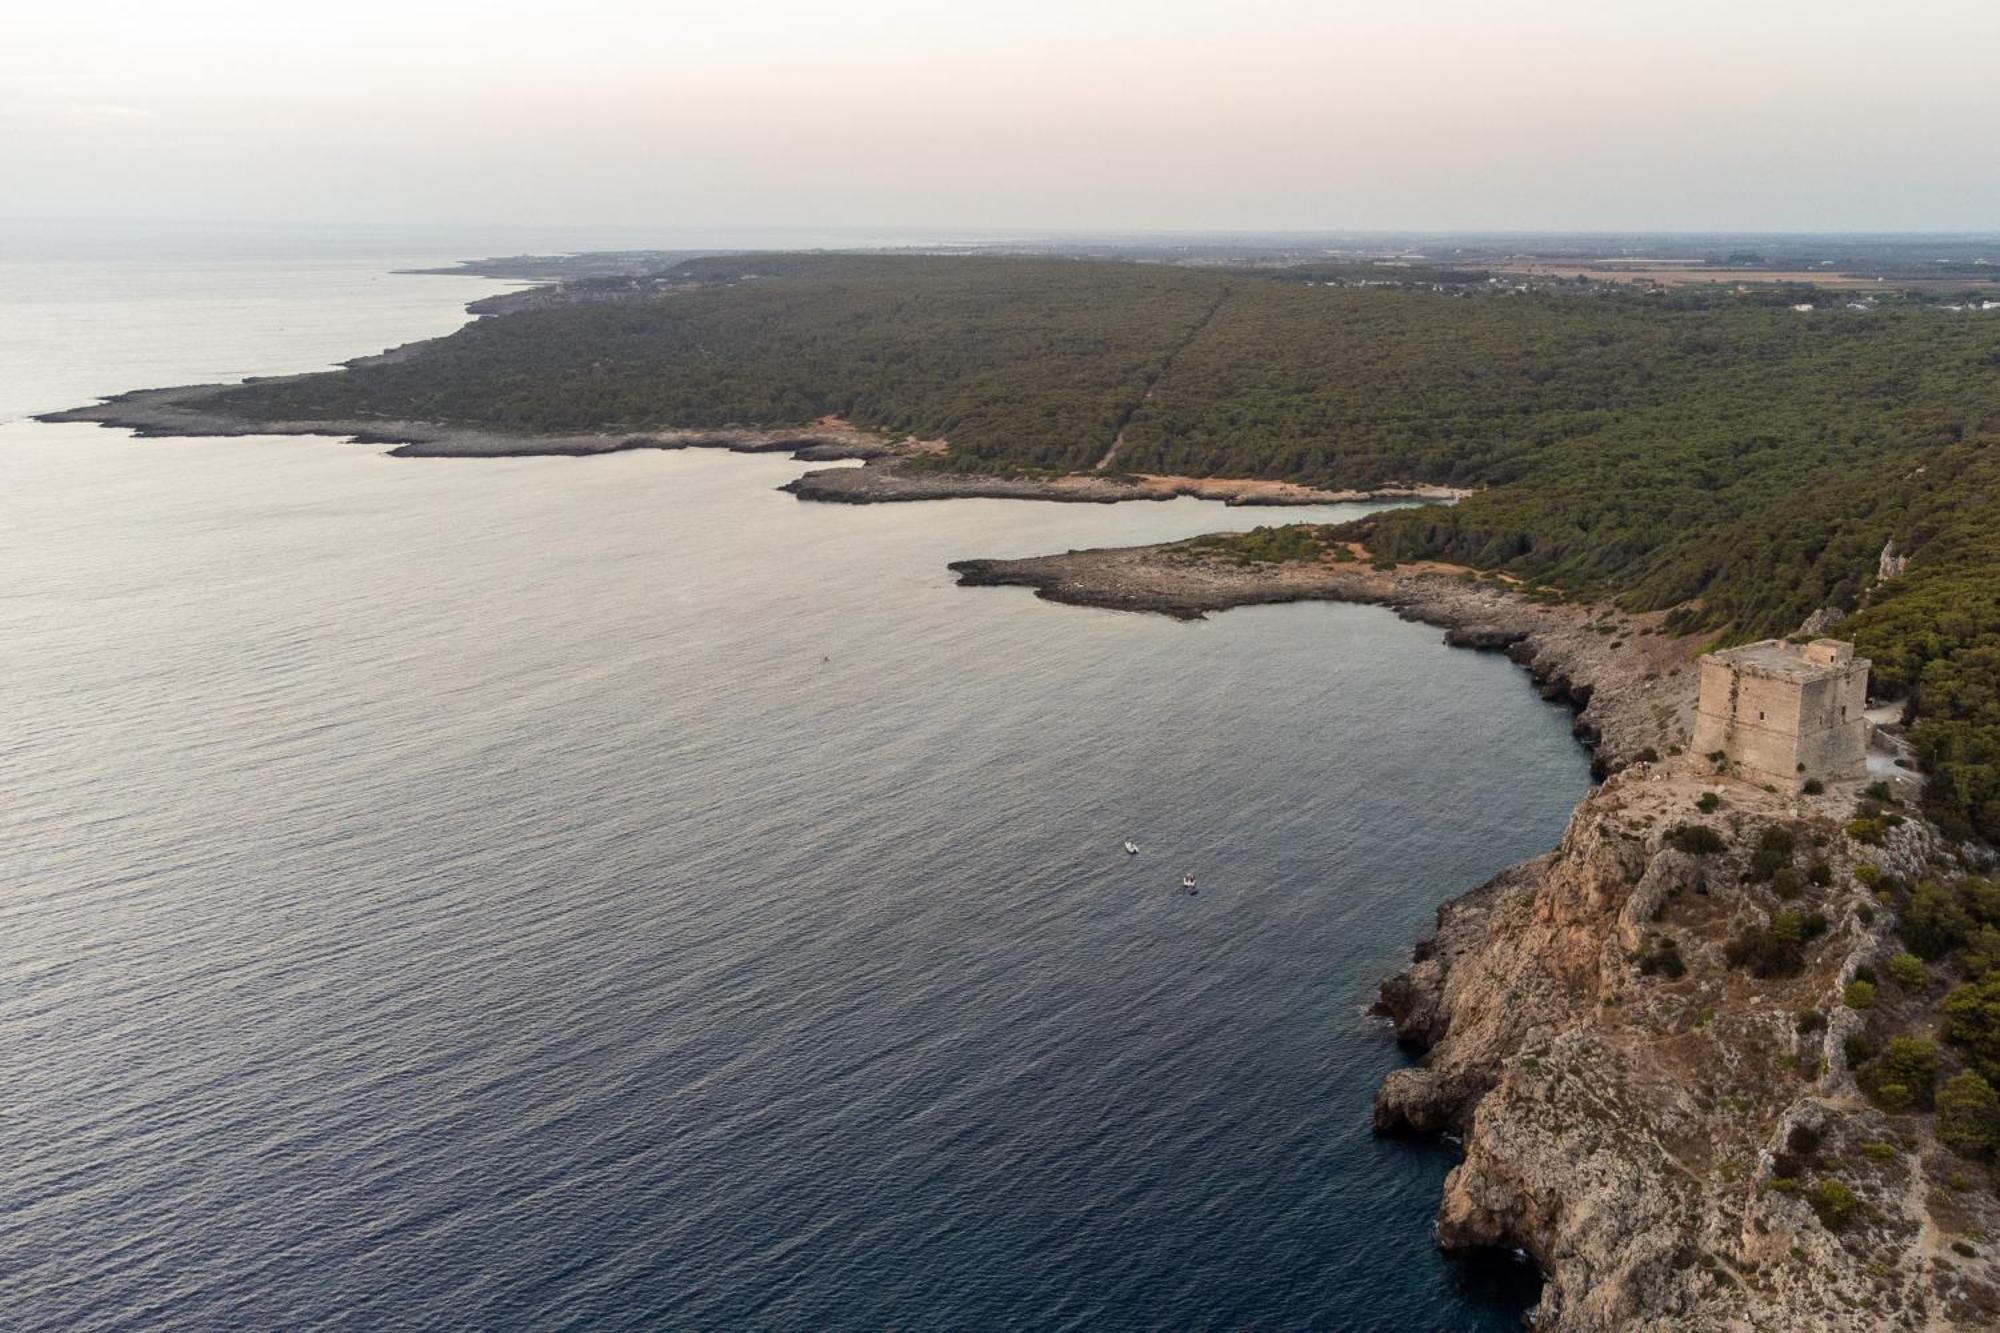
[[188, 411], [1679, 1137], [183, 411]]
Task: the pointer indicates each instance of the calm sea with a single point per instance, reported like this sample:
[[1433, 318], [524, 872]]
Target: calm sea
[[610, 893]]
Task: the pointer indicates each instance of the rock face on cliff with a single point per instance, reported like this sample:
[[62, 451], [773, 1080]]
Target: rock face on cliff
[[1654, 1121]]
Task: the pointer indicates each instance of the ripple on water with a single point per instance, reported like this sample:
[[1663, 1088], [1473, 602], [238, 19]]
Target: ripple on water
[[554, 893]]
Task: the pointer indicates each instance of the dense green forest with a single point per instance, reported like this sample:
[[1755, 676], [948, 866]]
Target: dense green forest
[[1019, 363], [1718, 453]]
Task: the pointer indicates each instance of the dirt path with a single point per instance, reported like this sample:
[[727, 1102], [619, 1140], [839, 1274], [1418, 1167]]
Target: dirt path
[[1927, 1249], [1194, 331]]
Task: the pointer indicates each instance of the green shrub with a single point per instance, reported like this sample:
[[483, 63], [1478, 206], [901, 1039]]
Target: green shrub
[[1856, 1049], [1834, 1202], [1859, 994], [1812, 1020], [1696, 839], [1785, 882], [1867, 832], [1972, 1024], [1981, 953], [1968, 1115], [1814, 787], [1270, 546], [1709, 803], [1820, 875], [1934, 921], [1778, 949], [1774, 849], [1866, 874], [1981, 898], [1892, 1096], [1878, 791], [1908, 971], [1904, 1075]]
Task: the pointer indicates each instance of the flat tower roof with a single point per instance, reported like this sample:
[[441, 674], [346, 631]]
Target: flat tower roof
[[1785, 661]]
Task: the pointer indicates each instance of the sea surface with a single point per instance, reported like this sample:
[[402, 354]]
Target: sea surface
[[610, 893]]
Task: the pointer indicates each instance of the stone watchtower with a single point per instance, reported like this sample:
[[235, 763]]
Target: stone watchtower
[[1782, 713]]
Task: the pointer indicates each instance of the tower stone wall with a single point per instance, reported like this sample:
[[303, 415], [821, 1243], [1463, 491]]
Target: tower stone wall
[[1782, 714]]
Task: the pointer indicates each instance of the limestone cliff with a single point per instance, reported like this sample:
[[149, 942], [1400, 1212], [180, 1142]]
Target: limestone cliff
[[1649, 1118]]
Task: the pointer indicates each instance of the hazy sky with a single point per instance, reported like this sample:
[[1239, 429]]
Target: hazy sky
[[1750, 114]]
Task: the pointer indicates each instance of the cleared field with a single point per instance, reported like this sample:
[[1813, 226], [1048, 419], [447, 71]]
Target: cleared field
[[1683, 275]]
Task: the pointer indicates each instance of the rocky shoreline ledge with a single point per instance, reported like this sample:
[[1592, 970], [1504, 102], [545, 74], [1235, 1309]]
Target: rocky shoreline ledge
[[177, 412], [1639, 1112], [889, 479]]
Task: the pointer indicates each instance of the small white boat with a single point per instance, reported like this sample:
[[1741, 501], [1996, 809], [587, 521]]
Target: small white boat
[[1131, 847], [1187, 881]]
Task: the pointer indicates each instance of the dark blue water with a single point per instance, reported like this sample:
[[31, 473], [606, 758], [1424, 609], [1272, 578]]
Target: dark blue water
[[609, 893]]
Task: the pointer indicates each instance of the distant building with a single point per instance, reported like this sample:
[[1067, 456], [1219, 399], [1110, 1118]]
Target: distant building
[[1782, 713]]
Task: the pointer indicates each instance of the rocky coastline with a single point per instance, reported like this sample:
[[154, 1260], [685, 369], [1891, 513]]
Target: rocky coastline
[[1629, 682], [179, 412], [182, 411], [1636, 1115], [890, 479]]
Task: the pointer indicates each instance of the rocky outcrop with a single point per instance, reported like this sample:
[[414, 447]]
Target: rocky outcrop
[[1624, 1119], [188, 410], [888, 475], [892, 480]]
